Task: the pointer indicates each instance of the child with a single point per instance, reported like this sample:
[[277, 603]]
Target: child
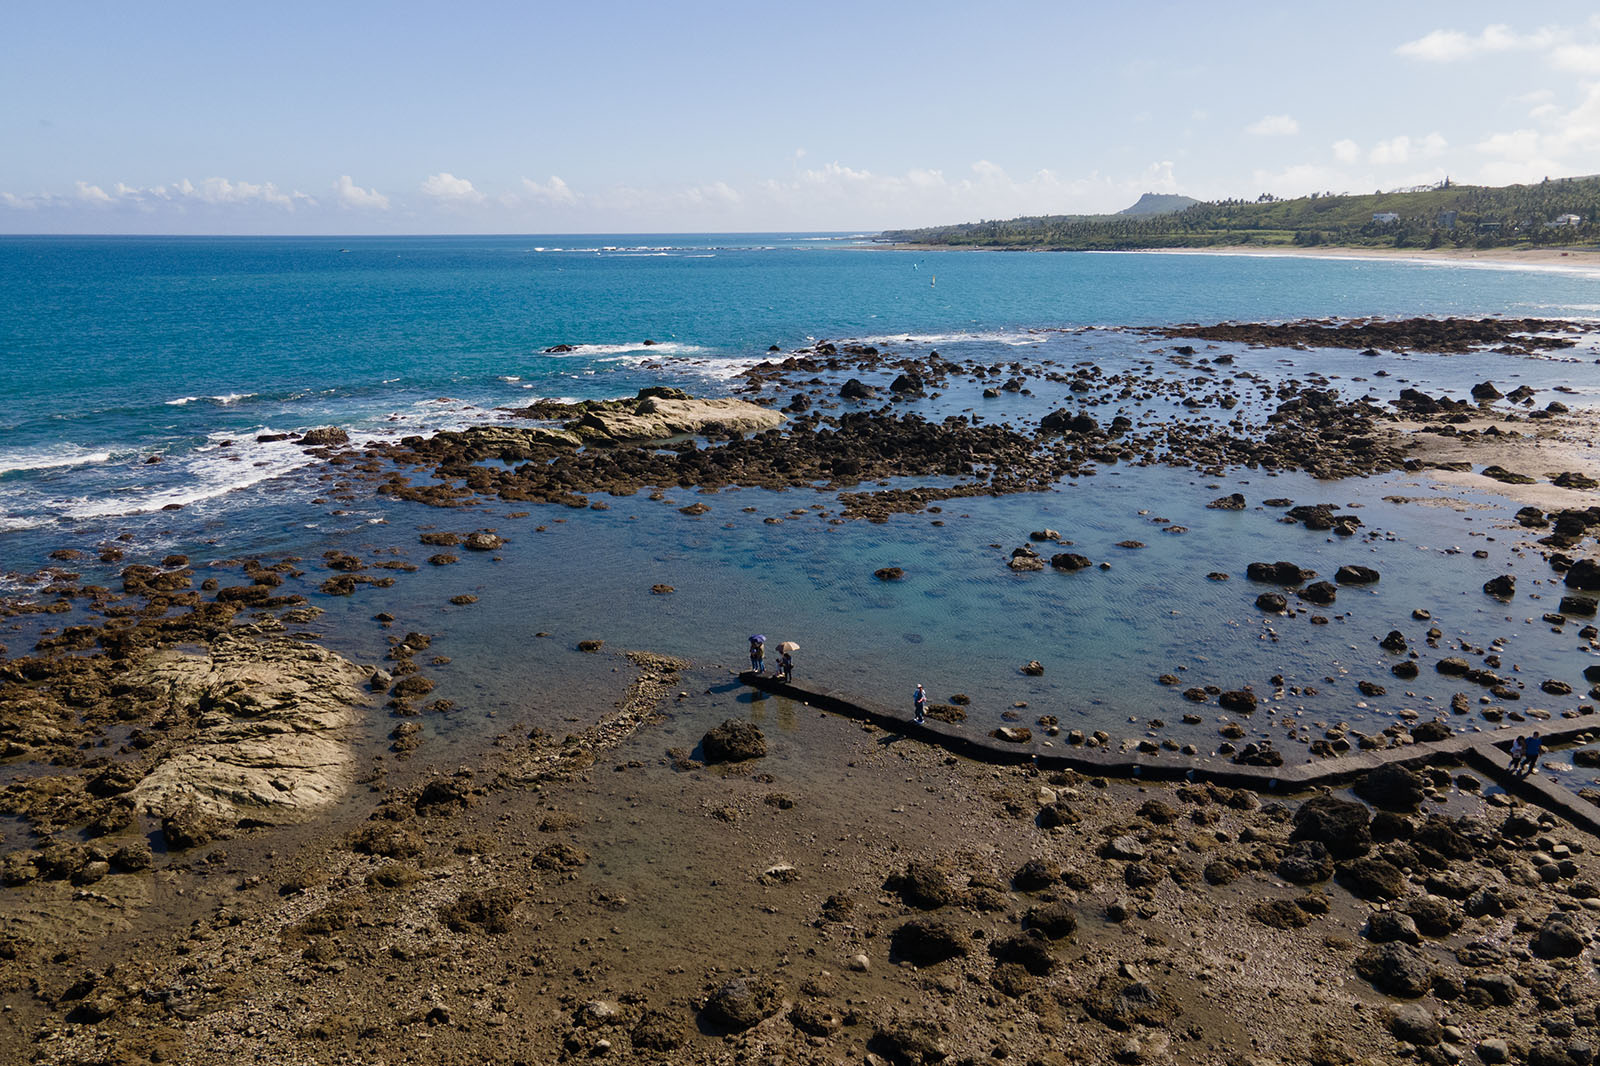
[[1518, 749]]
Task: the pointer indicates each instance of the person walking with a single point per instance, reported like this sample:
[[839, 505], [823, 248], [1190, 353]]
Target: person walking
[[1533, 747], [758, 653], [1519, 750], [919, 703]]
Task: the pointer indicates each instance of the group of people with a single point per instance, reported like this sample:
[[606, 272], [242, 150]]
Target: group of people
[[758, 657], [1525, 753]]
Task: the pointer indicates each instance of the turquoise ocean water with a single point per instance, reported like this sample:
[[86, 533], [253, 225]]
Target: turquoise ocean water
[[114, 351]]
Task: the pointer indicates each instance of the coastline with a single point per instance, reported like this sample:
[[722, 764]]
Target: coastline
[[1541, 258], [545, 883]]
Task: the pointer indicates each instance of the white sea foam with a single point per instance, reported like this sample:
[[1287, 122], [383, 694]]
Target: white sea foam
[[1013, 338], [50, 458], [225, 400], [210, 471], [659, 348]]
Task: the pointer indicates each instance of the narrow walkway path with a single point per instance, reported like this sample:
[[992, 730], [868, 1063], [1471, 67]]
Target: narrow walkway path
[[1482, 751]]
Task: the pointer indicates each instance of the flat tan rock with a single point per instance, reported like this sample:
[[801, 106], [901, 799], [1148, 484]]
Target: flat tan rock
[[275, 741], [658, 417]]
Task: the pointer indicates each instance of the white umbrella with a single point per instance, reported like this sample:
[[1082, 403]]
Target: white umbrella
[[788, 646]]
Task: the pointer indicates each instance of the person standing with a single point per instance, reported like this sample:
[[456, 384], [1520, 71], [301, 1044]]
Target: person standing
[[1533, 747], [919, 703], [758, 654], [786, 668]]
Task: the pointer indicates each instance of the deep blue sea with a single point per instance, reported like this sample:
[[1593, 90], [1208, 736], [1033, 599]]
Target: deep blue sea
[[118, 351]]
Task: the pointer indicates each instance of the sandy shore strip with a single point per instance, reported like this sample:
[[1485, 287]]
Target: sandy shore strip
[[1577, 259], [1533, 258]]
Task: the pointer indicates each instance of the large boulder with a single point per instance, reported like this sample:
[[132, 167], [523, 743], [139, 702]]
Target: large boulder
[[741, 1003], [1355, 575], [1342, 826], [733, 741], [1392, 787], [1372, 879], [659, 417], [927, 941], [1396, 970], [1278, 573], [1584, 574]]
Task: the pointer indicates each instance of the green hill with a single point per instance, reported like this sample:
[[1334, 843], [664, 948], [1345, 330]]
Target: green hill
[[1446, 215]]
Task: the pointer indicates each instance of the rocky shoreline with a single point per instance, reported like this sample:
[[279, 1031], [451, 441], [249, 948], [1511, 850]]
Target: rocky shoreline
[[214, 851]]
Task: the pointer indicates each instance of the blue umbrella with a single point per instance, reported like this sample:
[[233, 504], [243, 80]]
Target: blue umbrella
[[758, 638]]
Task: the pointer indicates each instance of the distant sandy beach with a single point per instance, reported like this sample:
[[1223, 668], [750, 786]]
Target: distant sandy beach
[[1576, 258], [1540, 258]]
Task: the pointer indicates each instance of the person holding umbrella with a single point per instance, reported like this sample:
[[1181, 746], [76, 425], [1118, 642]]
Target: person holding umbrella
[[785, 662], [758, 652]]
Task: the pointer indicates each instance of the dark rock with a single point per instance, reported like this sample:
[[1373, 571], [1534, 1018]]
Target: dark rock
[[1395, 970], [1279, 573], [1272, 602], [735, 740], [1429, 731], [1235, 502], [1415, 1025], [323, 438], [1028, 950], [1584, 574], [1307, 863], [1242, 701], [1035, 874], [1391, 787], [1372, 879], [853, 389], [928, 941], [1321, 593], [1064, 421], [1053, 920], [923, 885], [1582, 606], [1355, 575], [1340, 825], [889, 573], [1559, 937], [742, 1002], [1386, 927], [1502, 587], [1279, 914], [1434, 915], [1074, 561]]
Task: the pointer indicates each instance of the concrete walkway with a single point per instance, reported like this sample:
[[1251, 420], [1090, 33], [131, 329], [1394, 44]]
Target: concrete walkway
[[1483, 752]]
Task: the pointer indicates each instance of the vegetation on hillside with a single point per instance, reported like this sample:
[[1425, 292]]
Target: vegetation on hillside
[[1443, 216]]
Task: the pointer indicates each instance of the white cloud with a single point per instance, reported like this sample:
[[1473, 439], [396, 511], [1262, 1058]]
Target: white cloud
[[350, 194], [1273, 126], [93, 194], [1346, 151], [554, 192], [448, 188], [1401, 149], [1563, 141], [1445, 46], [1578, 58]]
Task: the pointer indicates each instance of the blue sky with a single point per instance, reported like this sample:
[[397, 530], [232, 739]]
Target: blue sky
[[660, 117]]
